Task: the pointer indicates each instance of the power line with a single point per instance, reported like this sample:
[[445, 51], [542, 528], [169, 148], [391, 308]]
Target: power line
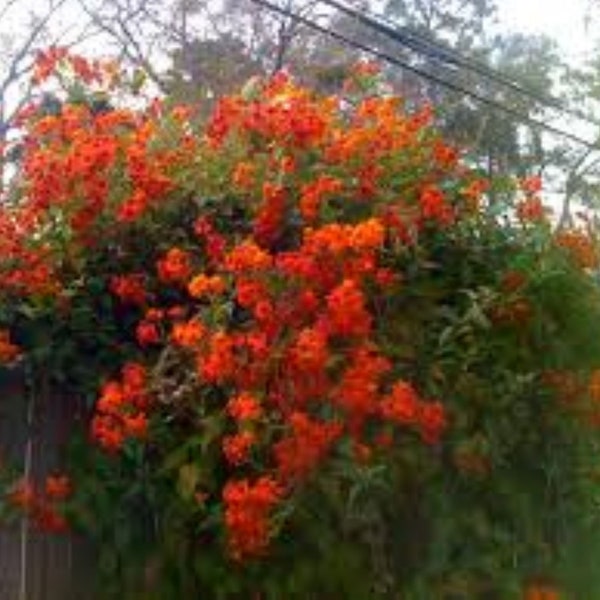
[[515, 114], [427, 45]]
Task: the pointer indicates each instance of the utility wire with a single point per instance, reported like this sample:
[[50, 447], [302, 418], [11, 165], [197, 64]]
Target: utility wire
[[515, 114], [434, 49]]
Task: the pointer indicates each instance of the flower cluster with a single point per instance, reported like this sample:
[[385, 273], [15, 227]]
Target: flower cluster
[[8, 351], [43, 507], [122, 409], [247, 509], [580, 246], [277, 301]]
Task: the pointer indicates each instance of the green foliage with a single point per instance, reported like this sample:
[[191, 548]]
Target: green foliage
[[487, 310]]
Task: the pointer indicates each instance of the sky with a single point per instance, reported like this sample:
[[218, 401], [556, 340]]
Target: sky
[[563, 20]]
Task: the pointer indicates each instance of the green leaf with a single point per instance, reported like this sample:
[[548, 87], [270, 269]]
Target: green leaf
[[189, 475]]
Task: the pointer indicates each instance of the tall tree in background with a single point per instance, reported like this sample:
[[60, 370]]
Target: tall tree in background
[[463, 24], [500, 141], [197, 50], [249, 39]]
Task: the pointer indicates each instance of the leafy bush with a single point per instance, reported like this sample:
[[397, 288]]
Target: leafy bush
[[315, 361]]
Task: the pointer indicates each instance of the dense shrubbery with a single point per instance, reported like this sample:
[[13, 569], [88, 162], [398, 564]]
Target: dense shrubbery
[[316, 361]]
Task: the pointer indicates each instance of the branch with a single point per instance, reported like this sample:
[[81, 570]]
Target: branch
[[14, 70], [126, 40]]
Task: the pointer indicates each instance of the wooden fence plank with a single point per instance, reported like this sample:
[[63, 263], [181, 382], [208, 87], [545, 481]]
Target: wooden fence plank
[[33, 565]]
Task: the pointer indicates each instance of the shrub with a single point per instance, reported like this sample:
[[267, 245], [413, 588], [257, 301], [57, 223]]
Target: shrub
[[316, 361]]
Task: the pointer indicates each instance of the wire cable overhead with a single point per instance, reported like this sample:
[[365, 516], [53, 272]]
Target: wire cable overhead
[[434, 49], [421, 72]]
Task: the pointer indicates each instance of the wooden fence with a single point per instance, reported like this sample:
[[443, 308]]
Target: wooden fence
[[36, 566]]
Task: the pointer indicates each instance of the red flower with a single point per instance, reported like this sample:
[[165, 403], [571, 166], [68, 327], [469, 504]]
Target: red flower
[[112, 398], [247, 510], [58, 487], [401, 405], [244, 407], [236, 448], [189, 334], [218, 363], [135, 376], [8, 351], [147, 333], [130, 289], [347, 314], [298, 454], [47, 519], [23, 495], [434, 206], [432, 421], [108, 432], [532, 210], [133, 207], [204, 285], [175, 266], [135, 426], [531, 185]]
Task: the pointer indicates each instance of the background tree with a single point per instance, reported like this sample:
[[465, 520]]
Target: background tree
[[197, 50]]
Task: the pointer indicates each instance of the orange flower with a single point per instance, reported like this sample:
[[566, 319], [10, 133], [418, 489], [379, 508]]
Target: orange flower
[[402, 404], [23, 495], [133, 207], [300, 452], [474, 192], [541, 592], [244, 407], [338, 239], [135, 377], [432, 421], [368, 235], [445, 155], [218, 364], [513, 281], [236, 448], [130, 289], [313, 194], [531, 185], [58, 487], [135, 426], [247, 509], [46, 518], [434, 206], [189, 334], [204, 285], [107, 431], [8, 351], [112, 397], [404, 407], [250, 292], [309, 353], [594, 386], [580, 246], [247, 256], [175, 266], [121, 409], [243, 175], [532, 210], [358, 390], [147, 333], [347, 314], [271, 213]]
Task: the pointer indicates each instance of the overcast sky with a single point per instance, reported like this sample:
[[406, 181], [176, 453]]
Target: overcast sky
[[563, 20]]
